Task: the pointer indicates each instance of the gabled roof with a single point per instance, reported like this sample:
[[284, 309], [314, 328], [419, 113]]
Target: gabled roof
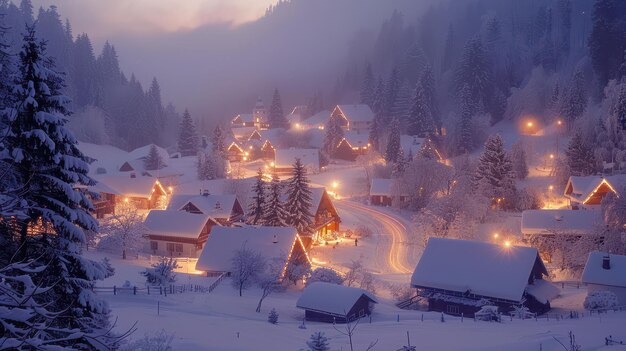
[[331, 298], [132, 187], [274, 243], [317, 119], [481, 268], [217, 206], [357, 113], [564, 222], [357, 139], [178, 224], [580, 188], [410, 144], [286, 157], [381, 187], [595, 274], [243, 133], [141, 153], [244, 118]]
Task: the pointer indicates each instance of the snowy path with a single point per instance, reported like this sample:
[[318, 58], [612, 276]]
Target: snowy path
[[393, 252]]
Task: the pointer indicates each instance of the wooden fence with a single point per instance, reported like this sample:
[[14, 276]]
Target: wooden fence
[[160, 290]]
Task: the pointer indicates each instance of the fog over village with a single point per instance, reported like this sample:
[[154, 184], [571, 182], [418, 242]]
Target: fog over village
[[313, 175]]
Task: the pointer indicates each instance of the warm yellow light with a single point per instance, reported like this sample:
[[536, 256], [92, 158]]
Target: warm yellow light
[[298, 125], [245, 158], [529, 124], [507, 243], [335, 185], [250, 147], [273, 164], [496, 235], [170, 189], [551, 155], [559, 122], [551, 187], [126, 200]]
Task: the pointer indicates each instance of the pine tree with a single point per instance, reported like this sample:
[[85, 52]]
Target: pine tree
[[375, 132], [272, 317], [392, 88], [26, 8], [420, 121], [276, 116], [392, 151], [274, 213], [299, 200], [368, 86], [378, 105], [427, 82], [565, 13], [494, 175], [449, 50], [402, 105], [467, 111], [188, 142], [208, 166], [217, 140], [620, 108], [575, 99], [318, 342], [153, 161], [518, 158], [580, 159], [50, 166], [399, 166], [257, 206], [333, 134], [473, 71], [607, 42]]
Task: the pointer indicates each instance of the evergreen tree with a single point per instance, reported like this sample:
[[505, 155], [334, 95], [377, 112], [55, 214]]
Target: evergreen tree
[[375, 132], [276, 116], [607, 41], [154, 102], [368, 87], [26, 8], [473, 71], [393, 144], [83, 72], [188, 142], [378, 105], [428, 151], [274, 213], [49, 165], [420, 121], [565, 13], [413, 64], [299, 200], [580, 159], [217, 140], [575, 99], [399, 166], [153, 161], [333, 134], [402, 105], [427, 82], [318, 342], [273, 316], [392, 88], [494, 175], [449, 50], [620, 109], [518, 158], [208, 166], [257, 206], [465, 141]]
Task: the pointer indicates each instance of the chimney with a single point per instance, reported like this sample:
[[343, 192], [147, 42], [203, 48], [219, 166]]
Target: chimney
[[133, 175], [275, 239], [205, 192], [606, 262]]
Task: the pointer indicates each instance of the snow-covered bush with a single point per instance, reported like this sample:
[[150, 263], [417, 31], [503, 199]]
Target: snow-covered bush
[[521, 312], [161, 272], [158, 341], [325, 275], [273, 316], [357, 276], [528, 199], [401, 292], [318, 342], [600, 299]]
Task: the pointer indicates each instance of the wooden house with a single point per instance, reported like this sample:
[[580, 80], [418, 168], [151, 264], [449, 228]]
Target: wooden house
[[326, 218], [606, 272], [356, 118], [352, 145], [382, 192], [225, 208], [317, 121], [177, 233], [458, 277], [574, 223], [278, 245], [285, 158], [236, 153], [256, 119], [590, 190], [143, 192], [332, 303]]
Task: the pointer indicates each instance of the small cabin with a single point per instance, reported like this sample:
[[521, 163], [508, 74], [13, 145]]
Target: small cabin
[[606, 272], [356, 117], [382, 192], [332, 303], [144, 193], [177, 233], [224, 208], [352, 145], [326, 218], [458, 277], [591, 190], [561, 222], [235, 153]]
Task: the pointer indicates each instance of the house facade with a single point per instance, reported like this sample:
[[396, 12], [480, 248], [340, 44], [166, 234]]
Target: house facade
[[177, 233], [144, 193], [606, 272], [223, 208], [588, 191], [356, 117], [382, 192], [339, 304]]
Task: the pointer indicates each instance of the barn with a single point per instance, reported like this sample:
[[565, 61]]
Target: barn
[[606, 272], [332, 303], [458, 277]]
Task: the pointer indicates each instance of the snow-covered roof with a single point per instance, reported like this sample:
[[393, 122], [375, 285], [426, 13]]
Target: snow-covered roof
[[318, 119], [141, 153], [357, 113], [217, 206], [243, 133], [357, 139], [595, 274], [274, 243], [571, 222], [106, 156], [285, 158], [543, 291], [178, 224], [410, 144], [478, 267], [139, 186], [331, 298], [245, 117], [274, 135], [381, 187], [579, 188]]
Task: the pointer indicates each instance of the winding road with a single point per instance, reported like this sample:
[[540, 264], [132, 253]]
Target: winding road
[[383, 224]]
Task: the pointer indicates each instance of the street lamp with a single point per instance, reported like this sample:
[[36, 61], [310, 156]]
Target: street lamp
[[335, 185]]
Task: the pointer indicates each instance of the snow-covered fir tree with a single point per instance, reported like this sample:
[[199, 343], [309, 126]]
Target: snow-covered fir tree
[[575, 99], [403, 103], [375, 132], [153, 161], [49, 165], [465, 138], [368, 87], [217, 140], [188, 141], [393, 144], [473, 71], [272, 317], [518, 158], [420, 120], [318, 342], [274, 213], [378, 103], [392, 88], [333, 134], [208, 166], [427, 81], [494, 176], [299, 200], [398, 168], [276, 115], [580, 158], [258, 204], [428, 150]]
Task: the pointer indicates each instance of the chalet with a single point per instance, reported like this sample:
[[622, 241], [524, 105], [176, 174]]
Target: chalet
[[332, 303], [352, 145], [177, 233], [285, 158], [326, 218], [257, 119], [268, 152], [317, 121], [136, 158], [356, 118], [590, 190], [143, 192], [225, 208], [460, 276], [245, 134], [236, 153], [297, 115], [606, 272], [561, 222], [382, 192], [279, 245]]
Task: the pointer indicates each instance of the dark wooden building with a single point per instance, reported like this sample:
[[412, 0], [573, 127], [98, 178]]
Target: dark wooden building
[[458, 277], [332, 303]]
